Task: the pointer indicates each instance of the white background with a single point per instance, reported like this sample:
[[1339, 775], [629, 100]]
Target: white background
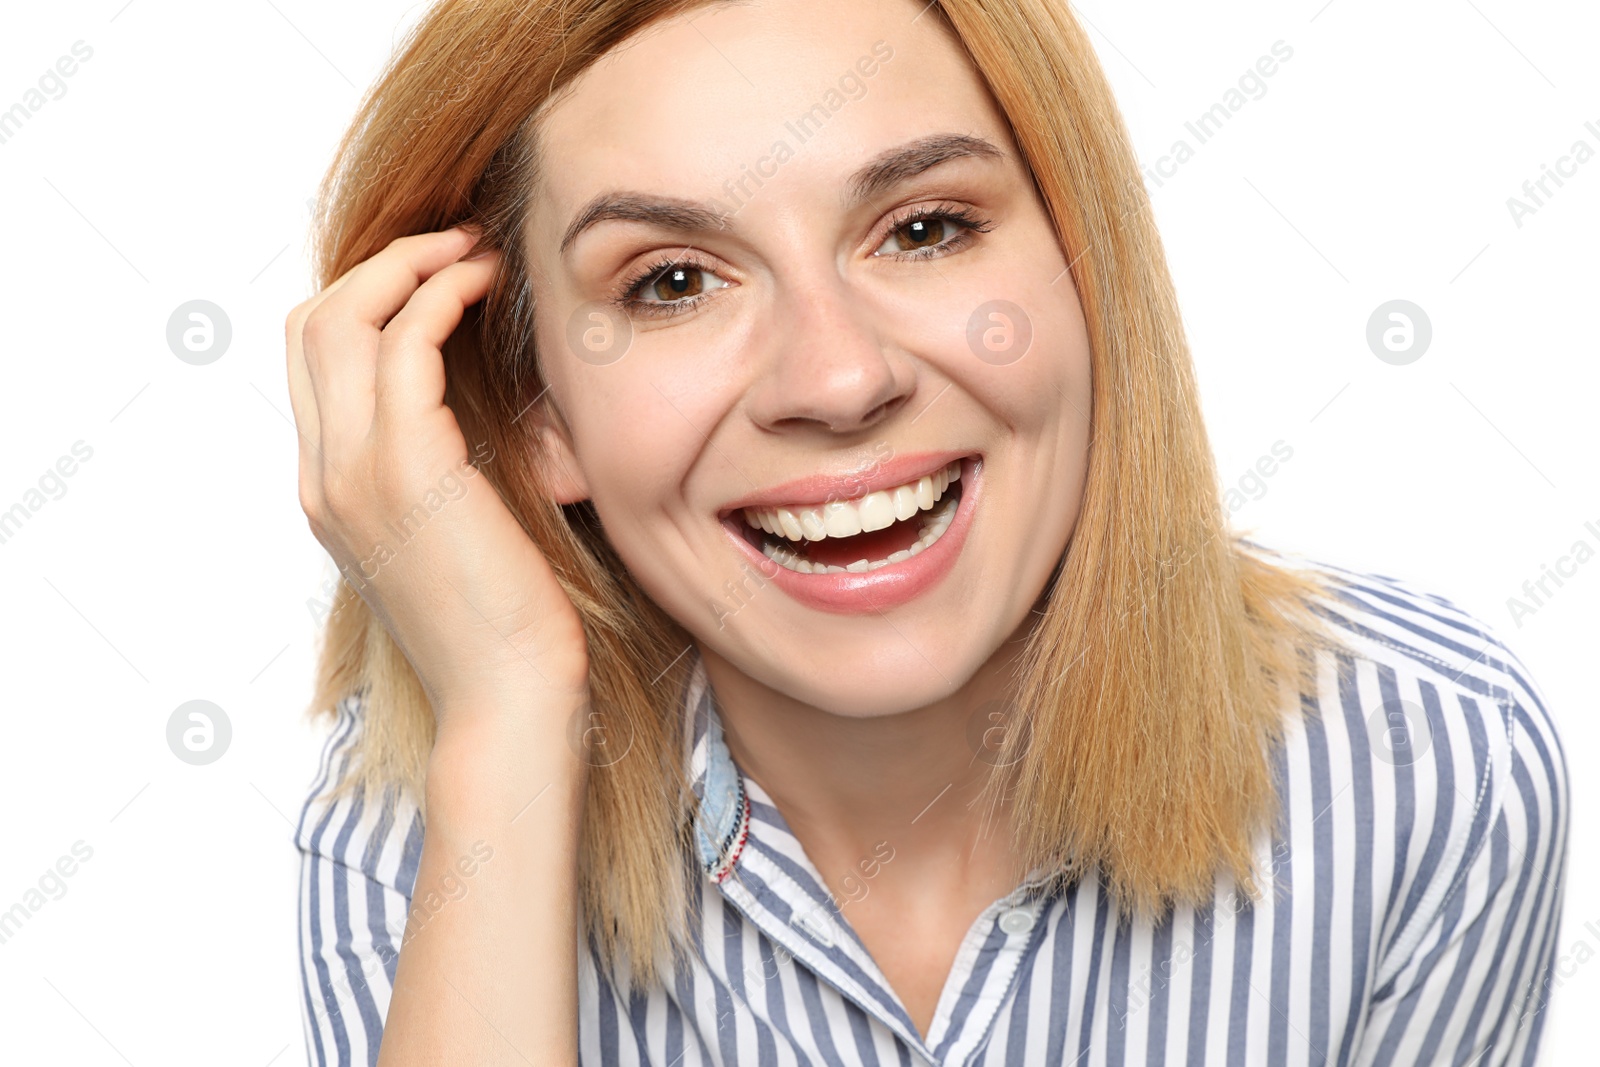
[[178, 566]]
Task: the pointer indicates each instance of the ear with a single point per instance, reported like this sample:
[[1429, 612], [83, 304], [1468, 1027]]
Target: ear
[[558, 459]]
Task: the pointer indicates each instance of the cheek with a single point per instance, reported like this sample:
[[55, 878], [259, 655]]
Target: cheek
[[1043, 384], [632, 457], [1058, 367], [637, 437]]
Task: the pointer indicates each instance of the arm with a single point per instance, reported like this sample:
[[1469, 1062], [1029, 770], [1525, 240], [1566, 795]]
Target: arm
[[373, 887], [1474, 987], [487, 971], [489, 976]]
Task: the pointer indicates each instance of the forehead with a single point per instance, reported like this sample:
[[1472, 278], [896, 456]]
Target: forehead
[[809, 87]]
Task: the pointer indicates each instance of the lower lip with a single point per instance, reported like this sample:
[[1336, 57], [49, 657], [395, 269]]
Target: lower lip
[[890, 585]]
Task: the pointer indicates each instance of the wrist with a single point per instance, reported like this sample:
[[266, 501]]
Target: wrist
[[489, 754]]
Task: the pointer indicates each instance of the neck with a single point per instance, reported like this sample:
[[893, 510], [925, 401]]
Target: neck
[[851, 787]]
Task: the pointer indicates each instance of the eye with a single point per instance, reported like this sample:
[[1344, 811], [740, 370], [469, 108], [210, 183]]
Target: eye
[[924, 232], [668, 286]]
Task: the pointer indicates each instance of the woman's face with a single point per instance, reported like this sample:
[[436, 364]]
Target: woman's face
[[842, 279]]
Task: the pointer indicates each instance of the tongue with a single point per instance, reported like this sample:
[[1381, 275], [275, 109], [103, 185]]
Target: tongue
[[879, 544]]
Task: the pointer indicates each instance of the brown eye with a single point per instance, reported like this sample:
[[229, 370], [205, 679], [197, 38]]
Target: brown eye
[[934, 232], [920, 233], [677, 282], [669, 287]]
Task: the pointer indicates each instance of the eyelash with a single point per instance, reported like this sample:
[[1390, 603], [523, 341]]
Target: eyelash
[[634, 306]]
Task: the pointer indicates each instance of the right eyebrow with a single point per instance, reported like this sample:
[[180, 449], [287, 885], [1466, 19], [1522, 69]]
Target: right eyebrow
[[671, 212]]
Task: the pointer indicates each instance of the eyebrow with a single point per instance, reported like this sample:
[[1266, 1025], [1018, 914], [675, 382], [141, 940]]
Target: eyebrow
[[883, 172]]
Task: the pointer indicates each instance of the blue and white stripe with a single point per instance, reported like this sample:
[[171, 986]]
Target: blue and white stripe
[[1418, 874]]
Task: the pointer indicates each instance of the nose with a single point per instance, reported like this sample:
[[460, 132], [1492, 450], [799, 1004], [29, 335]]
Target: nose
[[828, 368]]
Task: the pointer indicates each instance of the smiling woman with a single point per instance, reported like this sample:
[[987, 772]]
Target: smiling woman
[[849, 507]]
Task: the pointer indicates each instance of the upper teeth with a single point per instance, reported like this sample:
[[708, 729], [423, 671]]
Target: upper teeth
[[846, 518]]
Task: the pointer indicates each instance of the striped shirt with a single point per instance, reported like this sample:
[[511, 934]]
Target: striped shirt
[[1417, 874]]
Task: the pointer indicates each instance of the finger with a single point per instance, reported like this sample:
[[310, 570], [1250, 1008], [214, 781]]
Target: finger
[[410, 378], [341, 333], [379, 287], [302, 397], [303, 402]]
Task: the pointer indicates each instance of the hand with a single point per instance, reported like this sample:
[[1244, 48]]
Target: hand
[[464, 592]]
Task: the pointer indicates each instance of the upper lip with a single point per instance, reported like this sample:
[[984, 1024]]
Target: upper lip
[[817, 489]]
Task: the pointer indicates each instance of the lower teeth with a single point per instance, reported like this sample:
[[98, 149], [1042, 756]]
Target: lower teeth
[[934, 524]]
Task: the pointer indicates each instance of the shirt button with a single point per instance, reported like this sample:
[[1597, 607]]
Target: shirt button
[[1016, 921]]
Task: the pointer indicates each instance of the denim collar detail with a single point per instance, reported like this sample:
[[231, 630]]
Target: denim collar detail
[[724, 810]]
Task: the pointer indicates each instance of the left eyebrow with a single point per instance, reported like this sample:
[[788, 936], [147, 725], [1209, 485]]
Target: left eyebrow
[[884, 171], [901, 164]]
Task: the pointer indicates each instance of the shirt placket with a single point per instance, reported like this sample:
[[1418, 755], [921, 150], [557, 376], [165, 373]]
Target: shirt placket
[[804, 921], [811, 933], [984, 971], [806, 924]]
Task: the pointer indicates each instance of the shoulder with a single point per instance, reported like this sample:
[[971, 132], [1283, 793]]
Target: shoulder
[[1460, 663], [377, 833], [1450, 757]]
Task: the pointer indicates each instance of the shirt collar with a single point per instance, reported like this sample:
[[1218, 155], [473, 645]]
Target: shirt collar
[[746, 847], [722, 821]]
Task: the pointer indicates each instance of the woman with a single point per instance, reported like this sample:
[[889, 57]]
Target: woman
[[843, 657]]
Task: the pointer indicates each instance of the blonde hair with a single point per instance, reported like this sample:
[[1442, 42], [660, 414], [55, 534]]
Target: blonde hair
[[1152, 678]]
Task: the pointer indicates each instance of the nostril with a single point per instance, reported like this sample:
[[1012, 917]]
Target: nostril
[[884, 409]]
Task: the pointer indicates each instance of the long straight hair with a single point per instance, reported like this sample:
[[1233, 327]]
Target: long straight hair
[[1153, 683]]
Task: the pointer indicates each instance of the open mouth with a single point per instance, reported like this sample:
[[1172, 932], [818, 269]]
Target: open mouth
[[874, 530]]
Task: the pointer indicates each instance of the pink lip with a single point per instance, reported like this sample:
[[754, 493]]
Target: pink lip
[[887, 587], [818, 489]]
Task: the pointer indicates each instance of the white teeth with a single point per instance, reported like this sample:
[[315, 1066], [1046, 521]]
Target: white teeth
[[846, 518], [933, 527], [841, 519], [812, 526], [877, 511], [790, 524], [905, 502]]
